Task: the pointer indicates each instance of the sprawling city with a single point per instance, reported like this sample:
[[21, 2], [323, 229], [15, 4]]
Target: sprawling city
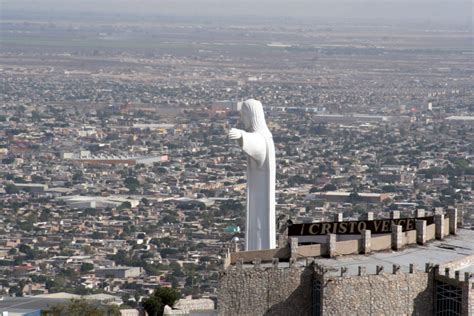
[[118, 177]]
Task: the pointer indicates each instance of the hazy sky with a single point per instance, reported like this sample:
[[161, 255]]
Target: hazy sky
[[444, 11]]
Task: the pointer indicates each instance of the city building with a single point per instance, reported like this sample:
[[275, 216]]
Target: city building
[[118, 272]]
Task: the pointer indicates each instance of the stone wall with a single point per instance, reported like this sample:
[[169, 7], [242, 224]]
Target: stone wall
[[265, 291], [467, 298], [459, 263], [288, 291], [384, 294], [470, 300]]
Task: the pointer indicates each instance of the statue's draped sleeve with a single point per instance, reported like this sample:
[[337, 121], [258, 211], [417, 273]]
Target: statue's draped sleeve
[[254, 145]]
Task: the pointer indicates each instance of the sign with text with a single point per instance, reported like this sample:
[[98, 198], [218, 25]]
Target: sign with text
[[380, 226]]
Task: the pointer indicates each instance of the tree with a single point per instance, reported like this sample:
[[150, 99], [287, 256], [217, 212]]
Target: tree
[[80, 307], [329, 187], [97, 235], [353, 197], [168, 251], [169, 296], [45, 215], [132, 184], [88, 250], [358, 208], [69, 274], [296, 180], [16, 291], [37, 179], [18, 260], [30, 253], [231, 207], [8, 160], [91, 211], [125, 205], [121, 257], [313, 189], [155, 304], [177, 271], [389, 188], [128, 300], [86, 266], [35, 116], [11, 189], [56, 284], [78, 176]]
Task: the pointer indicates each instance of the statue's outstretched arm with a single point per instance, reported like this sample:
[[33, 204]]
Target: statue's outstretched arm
[[253, 144]]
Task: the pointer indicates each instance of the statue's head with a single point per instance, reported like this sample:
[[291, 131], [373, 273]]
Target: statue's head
[[253, 117]]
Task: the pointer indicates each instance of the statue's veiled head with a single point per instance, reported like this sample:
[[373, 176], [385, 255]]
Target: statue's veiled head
[[253, 117]]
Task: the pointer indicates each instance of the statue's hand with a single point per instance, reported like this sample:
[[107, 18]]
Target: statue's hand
[[235, 133]]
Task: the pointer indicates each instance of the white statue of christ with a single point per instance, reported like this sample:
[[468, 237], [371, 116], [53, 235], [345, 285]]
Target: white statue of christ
[[257, 142]]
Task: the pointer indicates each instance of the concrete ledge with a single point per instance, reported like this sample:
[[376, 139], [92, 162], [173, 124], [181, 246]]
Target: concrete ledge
[[439, 225], [263, 255], [347, 247], [364, 243], [311, 250], [453, 220], [446, 226], [430, 232], [409, 237], [420, 232], [381, 242]]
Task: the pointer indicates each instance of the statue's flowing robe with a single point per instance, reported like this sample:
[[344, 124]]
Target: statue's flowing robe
[[260, 228]]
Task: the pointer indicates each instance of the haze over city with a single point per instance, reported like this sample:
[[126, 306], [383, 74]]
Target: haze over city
[[457, 12]]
